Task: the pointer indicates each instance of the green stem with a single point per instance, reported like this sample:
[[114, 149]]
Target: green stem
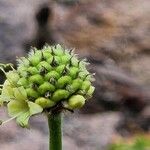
[[55, 131]]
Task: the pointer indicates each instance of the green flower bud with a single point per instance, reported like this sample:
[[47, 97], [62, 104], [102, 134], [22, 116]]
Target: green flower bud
[[32, 70], [47, 54], [32, 93], [52, 74], [54, 60], [60, 69], [45, 65], [36, 79], [45, 81], [73, 71], [63, 81], [76, 101], [85, 85], [65, 58], [76, 84], [34, 60], [46, 86], [44, 102], [23, 82], [60, 95], [90, 91], [59, 50]]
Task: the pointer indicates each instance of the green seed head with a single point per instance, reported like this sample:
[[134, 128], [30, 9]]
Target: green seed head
[[46, 78]]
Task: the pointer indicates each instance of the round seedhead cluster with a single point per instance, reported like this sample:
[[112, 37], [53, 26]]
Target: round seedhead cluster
[[48, 77]]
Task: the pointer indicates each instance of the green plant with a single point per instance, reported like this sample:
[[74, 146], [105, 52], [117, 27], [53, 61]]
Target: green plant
[[140, 143], [49, 80]]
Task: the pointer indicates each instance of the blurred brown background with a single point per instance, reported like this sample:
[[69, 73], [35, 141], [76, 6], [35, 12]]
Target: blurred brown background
[[114, 35]]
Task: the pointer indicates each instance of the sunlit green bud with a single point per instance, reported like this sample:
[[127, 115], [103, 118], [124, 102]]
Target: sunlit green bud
[[60, 95], [58, 51], [73, 71], [83, 74], [23, 62], [54, 61], [52, 74], [23, 82], [34, 60], [75, 62], [32, 93], [22, 71], [60, 69], [90, 91], [44, 64], [47, 54], [46, 86], [37, 53], [44, 102], [63, 81], [76, 84], [12, 77], [65, 58], [85, 85], [81, 92], [36, 79], [76, 101], [32, 70]]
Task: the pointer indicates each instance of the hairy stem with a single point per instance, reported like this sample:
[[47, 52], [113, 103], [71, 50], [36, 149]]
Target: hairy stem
[[55, 131]]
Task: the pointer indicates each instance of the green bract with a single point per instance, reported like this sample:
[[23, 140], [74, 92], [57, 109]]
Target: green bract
[[43, 80]]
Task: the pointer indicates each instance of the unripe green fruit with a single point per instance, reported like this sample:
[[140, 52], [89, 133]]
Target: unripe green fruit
[[60, 69], [32, 93], [85, 85], [73, 71], [76, 101], [46, 86], [59, 51], [25, 62], [32, 70], [65, 58], [22, 71], [90, 91], [36, 79], [45, 65], [44, 102], [47, 54], [75, 62], [76, 84], [52, 74], [34, 60], [23, 82], [54, 60], [82, 75], [63, 81], [60, 95]]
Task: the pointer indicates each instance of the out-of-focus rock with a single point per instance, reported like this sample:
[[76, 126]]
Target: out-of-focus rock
[[17, 26]]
